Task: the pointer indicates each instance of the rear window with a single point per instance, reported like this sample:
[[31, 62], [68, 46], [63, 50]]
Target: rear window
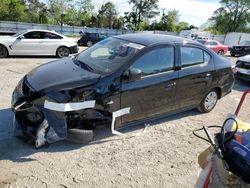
[[193, 56], [52, 36], [212, 43]]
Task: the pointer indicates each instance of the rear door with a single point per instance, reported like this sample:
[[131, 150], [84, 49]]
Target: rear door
[[195, 75], [154, 93], [51, 42]]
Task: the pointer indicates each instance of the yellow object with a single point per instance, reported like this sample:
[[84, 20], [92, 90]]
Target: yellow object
[[242, 126]]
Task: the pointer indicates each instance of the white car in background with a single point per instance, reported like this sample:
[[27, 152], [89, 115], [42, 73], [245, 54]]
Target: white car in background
[[37, 42], [243, 68]]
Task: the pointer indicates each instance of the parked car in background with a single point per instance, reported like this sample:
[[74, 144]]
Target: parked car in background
[[240, 50], [214, 45], [217, 47], [37, 42], [88, 39], [136, 76], [243, 68]]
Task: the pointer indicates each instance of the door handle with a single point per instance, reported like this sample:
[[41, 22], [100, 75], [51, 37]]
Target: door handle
[[170, 86]]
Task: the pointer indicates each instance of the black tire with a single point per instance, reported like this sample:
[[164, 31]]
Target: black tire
[[221, 52], [62, 52], [3, 51], [80, 136], [233, 55], [79, 43], [89, 43], [209, 101]]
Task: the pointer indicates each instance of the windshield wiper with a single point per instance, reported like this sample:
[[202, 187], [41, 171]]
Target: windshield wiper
[[84, 65]]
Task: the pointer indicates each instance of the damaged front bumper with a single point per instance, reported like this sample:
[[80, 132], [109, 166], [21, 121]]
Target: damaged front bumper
[[44, 119], [41, 125]]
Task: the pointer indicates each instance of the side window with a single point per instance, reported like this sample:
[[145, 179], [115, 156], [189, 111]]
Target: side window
[[193, 56], [155, 61], [207, 57], [212, 43], [34, 35], [52, 36]]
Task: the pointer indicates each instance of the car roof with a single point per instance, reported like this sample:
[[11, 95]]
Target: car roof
[[43, 30], [150, 39]]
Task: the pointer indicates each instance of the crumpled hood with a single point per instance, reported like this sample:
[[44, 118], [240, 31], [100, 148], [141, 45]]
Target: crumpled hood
[[245, 58], [60, 75]]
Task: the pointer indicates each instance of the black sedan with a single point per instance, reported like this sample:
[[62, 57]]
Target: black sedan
[[240, 50], [122, 80]]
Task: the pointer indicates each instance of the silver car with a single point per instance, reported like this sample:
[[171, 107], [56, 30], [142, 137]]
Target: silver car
[[37, 42]]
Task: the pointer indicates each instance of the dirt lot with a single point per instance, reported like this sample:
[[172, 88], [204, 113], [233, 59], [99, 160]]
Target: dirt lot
[[164, 155]]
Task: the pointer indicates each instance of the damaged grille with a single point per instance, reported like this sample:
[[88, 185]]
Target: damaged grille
[[238, 48]]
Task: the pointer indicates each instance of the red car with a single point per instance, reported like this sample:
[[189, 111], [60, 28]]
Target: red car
[[217, 47]]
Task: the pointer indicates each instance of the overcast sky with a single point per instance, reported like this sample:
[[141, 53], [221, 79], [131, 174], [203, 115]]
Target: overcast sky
[[194, 12]]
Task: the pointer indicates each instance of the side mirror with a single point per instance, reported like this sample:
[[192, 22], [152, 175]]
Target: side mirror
[[20, 37], [135, 74]]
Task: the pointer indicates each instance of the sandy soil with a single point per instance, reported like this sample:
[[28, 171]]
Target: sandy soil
[[164, 155]]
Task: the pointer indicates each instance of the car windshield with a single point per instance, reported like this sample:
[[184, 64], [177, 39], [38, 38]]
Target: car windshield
[[19, 33], [108, 55], [246, 43]]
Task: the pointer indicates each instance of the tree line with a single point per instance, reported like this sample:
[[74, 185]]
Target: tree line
[[233, 15]]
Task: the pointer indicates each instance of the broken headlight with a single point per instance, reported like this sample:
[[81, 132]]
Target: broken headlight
[[17, 93]]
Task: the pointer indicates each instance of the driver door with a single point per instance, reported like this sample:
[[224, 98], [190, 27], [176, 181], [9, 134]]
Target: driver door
[[30, 44], [153, 94]]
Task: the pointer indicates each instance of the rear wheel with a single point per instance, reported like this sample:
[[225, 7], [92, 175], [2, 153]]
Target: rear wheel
[[221, 52], [209, 102], [62, 52], [89, 43], [3, 51]]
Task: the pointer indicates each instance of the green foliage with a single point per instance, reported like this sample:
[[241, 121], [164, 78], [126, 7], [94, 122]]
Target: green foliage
[[12, 10], [141, 11], [170, 22], [107, 14], [82, 13], [232, 16]]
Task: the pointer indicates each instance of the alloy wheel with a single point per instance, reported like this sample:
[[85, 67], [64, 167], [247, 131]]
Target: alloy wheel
[[63, 52], [210, 100], [89, 43]]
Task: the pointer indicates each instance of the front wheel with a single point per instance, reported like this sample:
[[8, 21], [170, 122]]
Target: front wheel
[[80, 136], [3, 51], [62, 52], [89, 43], [209, 102]]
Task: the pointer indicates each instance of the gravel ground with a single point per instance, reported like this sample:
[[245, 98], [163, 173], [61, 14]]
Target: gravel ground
[[164, 155]]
